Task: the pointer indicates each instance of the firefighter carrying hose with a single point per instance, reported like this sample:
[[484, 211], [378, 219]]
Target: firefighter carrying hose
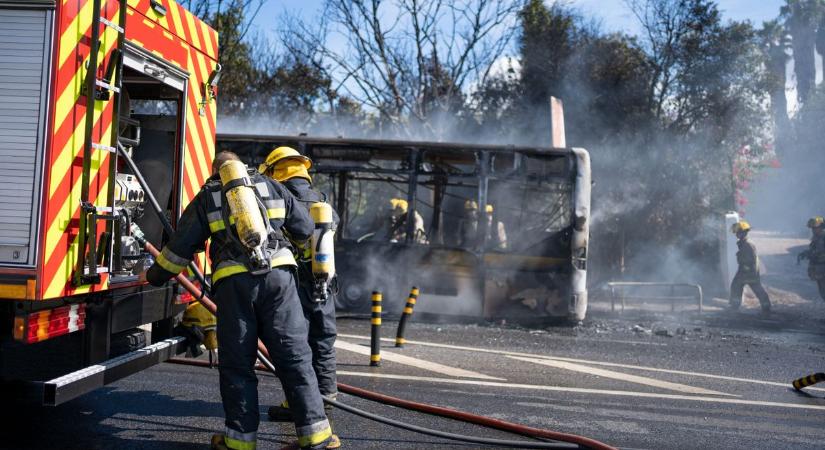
[[254, 286], [816, 253], [287, 166], [748, 271]]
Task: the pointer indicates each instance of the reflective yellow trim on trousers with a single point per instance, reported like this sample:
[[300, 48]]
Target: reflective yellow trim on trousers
[[315, 438], [234, 269], [239, 445], [375, 321]]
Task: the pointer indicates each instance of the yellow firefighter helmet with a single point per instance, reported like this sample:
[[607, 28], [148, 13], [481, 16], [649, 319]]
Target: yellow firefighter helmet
[[470, 205], [488, 209], [281, 154], [740, 226], [399, 203], [816, 222]]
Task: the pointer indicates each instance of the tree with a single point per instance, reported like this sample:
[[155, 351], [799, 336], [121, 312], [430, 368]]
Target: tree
[[802, 18], [774, 43], [410, 60]]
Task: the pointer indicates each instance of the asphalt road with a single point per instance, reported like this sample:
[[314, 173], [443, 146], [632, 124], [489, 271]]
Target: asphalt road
[[635, 380], [705, 387]]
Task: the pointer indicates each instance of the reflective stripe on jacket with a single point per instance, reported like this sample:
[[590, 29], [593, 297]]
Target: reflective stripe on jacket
[[202, 219]]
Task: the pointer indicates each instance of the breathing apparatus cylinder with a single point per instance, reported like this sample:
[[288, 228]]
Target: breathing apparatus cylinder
[[323, 248], [244, 210]]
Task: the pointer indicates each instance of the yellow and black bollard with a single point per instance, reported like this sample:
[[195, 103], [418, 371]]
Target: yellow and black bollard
[[809, 380], [402, 323], [375, 339]]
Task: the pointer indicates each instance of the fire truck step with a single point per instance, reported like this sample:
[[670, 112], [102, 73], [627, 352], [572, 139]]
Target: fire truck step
[[107, 148], [75, 384], [111, 25], [103, 84]]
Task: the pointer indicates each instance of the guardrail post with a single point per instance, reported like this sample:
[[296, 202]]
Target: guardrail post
[[375, 336], [402, 323]]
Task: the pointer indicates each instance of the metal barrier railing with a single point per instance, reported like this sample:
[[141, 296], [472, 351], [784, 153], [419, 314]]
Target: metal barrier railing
[[621, 285]]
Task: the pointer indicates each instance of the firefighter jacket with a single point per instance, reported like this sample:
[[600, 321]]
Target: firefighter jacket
[[816, 257], [748, 261], [398, 228], [203, 219]]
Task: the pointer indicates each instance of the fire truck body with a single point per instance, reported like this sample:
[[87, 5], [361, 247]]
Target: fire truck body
[[75, 85]]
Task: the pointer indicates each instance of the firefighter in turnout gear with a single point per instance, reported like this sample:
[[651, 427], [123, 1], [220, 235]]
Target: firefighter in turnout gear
[[468, 235], [496, 232], [816, 253], [253, 276], [287, 166], [398, 223], [748, 271]]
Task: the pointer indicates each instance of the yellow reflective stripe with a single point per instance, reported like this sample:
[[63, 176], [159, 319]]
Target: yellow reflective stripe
[[236, 444], [165, 260], [408, 310], [375, 358], [315, 438], [216, 226], [276, 213], [227, 271], [376, 309], [375, 321], [284, 258]]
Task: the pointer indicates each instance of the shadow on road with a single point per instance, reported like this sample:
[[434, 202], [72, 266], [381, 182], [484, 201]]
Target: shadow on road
[[107, 419]]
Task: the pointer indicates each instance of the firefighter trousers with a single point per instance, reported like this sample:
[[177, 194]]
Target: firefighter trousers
[[266, 307], [320, 318], [737, 287]]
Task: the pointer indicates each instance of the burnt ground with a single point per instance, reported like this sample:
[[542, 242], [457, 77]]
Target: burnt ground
[[644, 378]]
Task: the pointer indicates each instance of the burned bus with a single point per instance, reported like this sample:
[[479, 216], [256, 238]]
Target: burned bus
[[497, 232]]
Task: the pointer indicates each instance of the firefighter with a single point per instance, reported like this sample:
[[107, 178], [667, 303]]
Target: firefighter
[[468, 235], [816, 253], [287, 166], [398, 223], [748, 271], [496, 232], [254, 287]]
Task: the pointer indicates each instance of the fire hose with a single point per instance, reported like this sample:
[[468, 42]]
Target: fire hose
[[567, 440]]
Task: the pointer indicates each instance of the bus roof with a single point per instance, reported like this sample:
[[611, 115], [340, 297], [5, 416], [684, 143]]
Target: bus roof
[[388, 143]]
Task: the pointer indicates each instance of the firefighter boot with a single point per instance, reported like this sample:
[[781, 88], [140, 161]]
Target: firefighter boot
[[280, 413], [332, 443], [218, 442]]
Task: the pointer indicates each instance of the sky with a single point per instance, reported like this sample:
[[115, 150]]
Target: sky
[[613, 14]]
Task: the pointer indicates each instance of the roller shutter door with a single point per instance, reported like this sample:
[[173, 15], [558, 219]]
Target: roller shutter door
[[25, 47]]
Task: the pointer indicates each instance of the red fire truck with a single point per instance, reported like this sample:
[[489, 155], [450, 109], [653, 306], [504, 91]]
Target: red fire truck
[[86, 85]]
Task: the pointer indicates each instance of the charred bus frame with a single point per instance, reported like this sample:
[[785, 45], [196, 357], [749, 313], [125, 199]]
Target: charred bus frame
[[527, 283]]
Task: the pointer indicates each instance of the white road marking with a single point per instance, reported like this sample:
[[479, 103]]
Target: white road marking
[[415, 362], [620, 376], [695, 398], [598, 363]]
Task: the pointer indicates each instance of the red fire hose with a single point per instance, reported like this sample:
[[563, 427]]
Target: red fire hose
[[401, 403]]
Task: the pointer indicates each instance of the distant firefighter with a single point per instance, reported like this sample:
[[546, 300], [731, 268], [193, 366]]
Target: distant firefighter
[[748, 271], [468, 236], [816, 253], [398, 223], [496, 233]]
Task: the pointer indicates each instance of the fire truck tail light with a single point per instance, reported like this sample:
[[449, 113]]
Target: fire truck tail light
[[42, 325]]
